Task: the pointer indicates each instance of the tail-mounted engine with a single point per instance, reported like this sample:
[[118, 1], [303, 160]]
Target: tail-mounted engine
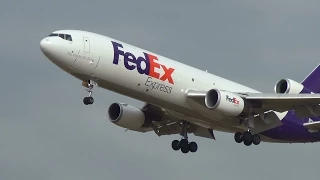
[[288, 86]]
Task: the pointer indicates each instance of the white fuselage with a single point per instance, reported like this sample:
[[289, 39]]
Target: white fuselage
[[147, 77]]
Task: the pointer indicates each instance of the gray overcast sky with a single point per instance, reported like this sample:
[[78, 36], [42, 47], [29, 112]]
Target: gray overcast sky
[[46, 133]]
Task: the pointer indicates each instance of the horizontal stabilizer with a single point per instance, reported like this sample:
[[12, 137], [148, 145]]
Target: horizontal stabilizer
[[312, 126]]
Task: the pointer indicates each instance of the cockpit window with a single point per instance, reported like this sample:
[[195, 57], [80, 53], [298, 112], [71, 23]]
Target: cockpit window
[[68, 37], [53, 34], [63, 36]]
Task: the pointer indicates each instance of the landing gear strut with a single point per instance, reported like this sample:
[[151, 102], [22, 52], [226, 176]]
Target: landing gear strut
[[183, 144], [89, 85]]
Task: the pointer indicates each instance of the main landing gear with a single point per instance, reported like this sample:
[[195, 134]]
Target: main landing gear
[[247, 138], [89, 85], [184, 145]]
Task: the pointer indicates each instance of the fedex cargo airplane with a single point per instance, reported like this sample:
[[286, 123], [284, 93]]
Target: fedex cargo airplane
[[180, 99]]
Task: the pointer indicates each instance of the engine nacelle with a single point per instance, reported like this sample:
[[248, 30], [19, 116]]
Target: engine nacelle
[[288, 86], [226, 102], [126, 116]]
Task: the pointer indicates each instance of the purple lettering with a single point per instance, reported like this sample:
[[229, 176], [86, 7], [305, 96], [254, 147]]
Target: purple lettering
[[117, 52], [147, 64], [128, 57], [145, 61]]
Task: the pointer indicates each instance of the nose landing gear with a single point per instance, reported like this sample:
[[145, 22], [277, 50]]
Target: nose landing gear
[[89, 85], [88, 100]]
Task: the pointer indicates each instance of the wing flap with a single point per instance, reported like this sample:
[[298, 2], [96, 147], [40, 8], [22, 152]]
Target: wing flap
[[204, 132], [170, 125], [268, 121]]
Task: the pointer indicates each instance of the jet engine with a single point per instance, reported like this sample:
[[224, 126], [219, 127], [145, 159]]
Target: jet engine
[[288, 86], [126, 116], [226, 102]]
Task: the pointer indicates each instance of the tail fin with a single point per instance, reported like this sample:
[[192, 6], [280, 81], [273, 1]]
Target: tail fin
[[312, 81]]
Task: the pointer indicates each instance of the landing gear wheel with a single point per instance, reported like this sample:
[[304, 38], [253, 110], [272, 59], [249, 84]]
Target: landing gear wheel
[[175, 145], [185, 149], [247, 138], [88, 100], [183, 144], [193, 147], [238, 137], [247, 142], [89, 85], [256, 139]]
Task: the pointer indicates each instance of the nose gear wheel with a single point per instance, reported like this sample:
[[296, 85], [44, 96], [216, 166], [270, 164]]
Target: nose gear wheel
[[89, 85]]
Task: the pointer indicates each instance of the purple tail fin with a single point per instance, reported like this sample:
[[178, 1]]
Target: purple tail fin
[[312, 81]]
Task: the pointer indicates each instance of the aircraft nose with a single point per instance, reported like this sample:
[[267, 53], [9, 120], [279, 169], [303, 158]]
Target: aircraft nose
[[45, 45]]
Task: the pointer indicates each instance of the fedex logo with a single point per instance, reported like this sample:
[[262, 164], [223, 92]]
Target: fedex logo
[[144, 65], [233, 100]]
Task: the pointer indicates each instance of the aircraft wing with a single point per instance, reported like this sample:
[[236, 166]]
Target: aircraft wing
[[170, 124], [305, 105], [268, 109]]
